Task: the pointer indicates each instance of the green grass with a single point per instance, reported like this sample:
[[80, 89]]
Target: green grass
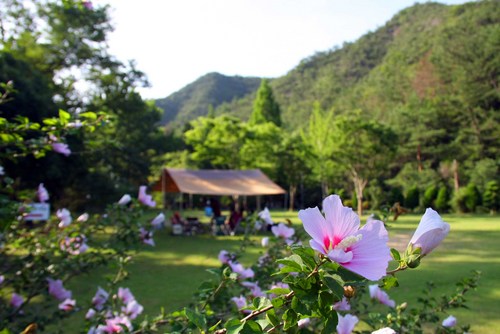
[[168, 274]]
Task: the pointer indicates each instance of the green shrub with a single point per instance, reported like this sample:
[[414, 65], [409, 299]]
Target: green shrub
[[396, 195], [491, 196], [458, 200], [430, 196], [442, 199], [412, 198], [472, 197]]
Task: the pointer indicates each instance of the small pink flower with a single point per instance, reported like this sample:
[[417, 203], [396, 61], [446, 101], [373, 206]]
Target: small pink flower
[[451, 321], [430, 232], [74, 245], [381, 296], [89, 6], [338, 236], [241, 271], [282, 231], [65, 216], [113, 325], [42, 193], [90, 313], [57, 290], [101, 296], [2, 278], [67, 305], [346, 324], [224, 257], [125, 295], [132, 309], [61, 148], [265, 216], [125, 199], [342, 305], [16, 300], [158, 221], [145, 198], [146, 237]]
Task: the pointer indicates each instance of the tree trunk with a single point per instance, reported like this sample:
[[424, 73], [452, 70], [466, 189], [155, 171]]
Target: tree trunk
[[293, 191], [455, 174], [359, 187]]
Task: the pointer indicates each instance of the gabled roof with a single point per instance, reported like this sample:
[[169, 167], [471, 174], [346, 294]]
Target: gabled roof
[[217, 182]]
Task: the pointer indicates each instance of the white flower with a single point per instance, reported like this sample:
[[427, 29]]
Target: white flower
[[451, 321], [125, 199]]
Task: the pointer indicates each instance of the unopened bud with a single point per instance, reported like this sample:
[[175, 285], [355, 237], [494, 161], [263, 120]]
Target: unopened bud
[[413, 261], [403, 306], [349, 291]]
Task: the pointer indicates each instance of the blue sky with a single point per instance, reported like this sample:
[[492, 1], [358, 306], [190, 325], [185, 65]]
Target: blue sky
[[176, 42]]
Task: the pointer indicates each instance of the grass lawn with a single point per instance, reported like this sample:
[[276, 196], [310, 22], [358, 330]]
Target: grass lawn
[[168, 274]]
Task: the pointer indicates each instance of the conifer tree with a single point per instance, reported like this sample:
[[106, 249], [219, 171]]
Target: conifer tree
[[265, 108]]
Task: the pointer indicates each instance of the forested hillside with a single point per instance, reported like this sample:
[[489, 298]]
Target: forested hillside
[[211, 89]]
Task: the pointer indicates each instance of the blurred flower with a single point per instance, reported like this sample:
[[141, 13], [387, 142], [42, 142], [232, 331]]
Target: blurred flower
[[346, 323], [430, 232], [381, 296], [101, 296], [2, 170], [282, 231], [90, 313], [113, 325], [254, 288], [74, 245], [337, 235], [125, 295], [342, 305], [76, 124], [61, 148], [224, 256], [132, 309], [145, 198], [451, 321], [278, 285], [125, 199], [265, 242], [88, 5], [241, 271], [385, 330], [16, 300], [265, 215], [83, 218], [2, 278], [42, 193], [65, 216], [158, 221], [240, 302], [67, 305], [146, 236], [303, 322], [57, 290]]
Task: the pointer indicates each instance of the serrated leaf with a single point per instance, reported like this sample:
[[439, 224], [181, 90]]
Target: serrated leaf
[[279, 291], [273, 319], [214, 327], [293, 261], [251, 327], [331, 324], [335, 284], [234, 326], [89, 114], [390, 282], [290, 319], [64, 116]]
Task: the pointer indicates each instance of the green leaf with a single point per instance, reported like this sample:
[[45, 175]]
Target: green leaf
[[234, 326], [395, 254], [306, 254], [271, 316], [279, 291], [290, 319], [325, 302], [335, 284], [298, 306], [64, 116], [196, 318], [251, 327], [331, 324], [89, 114], [263, 323], [293, 261], [390, 282], [50, 121]]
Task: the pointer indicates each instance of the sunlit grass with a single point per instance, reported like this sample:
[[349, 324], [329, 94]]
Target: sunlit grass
[[168, 274]]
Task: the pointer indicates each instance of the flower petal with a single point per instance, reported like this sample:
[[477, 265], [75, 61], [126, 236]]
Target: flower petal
[[430, 231], [341, 221], [371, 255], [314, 224]]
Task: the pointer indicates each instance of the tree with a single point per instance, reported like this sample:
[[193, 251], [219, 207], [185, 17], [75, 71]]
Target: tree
[[265, 107], [363, 149]]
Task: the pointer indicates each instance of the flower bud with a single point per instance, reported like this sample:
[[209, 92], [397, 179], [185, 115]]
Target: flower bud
[[349, 291], [413, 261]]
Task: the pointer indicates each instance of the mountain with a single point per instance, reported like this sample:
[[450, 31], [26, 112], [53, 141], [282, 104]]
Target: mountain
[[195, 99], [427, 57]]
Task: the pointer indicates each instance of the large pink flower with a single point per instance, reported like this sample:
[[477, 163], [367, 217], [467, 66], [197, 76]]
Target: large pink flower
[[430, 232], [338, 236]]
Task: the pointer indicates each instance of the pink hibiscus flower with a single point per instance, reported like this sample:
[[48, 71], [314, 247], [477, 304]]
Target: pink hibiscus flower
[[282, 231], [381, 296], [145, 198], [346, 324], [430, 232], [338, 236]]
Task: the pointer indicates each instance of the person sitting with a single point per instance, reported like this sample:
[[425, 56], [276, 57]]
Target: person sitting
[[179, 225], [234, 220]]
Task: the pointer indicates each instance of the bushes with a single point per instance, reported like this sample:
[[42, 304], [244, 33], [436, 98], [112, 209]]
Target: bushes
[[442, 199], [429, 197], [412, 198], [466, 199], [491, 196]]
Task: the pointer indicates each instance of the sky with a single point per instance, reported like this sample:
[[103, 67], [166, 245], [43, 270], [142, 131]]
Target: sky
[[174, 42]]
